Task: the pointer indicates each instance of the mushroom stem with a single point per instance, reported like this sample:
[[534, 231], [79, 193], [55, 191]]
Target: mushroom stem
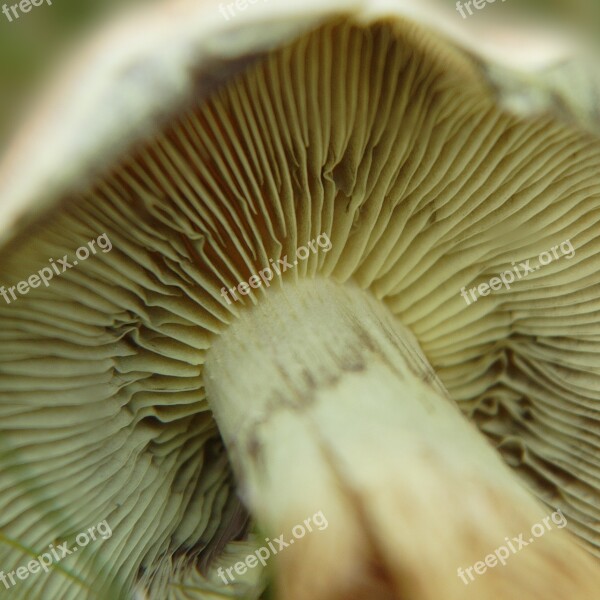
[[332, 407]]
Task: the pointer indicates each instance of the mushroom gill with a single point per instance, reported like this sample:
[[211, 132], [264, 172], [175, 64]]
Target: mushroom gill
[[133, 390]]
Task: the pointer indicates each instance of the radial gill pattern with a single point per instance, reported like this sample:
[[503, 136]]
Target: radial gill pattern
[[422, 186]]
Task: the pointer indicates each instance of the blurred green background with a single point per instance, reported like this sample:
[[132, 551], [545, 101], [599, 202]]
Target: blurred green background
[[39, 38]]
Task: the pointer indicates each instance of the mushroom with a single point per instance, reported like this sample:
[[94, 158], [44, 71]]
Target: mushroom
[[356, 382]]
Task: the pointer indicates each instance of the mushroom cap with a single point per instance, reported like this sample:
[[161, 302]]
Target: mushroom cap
[[212, 154]]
